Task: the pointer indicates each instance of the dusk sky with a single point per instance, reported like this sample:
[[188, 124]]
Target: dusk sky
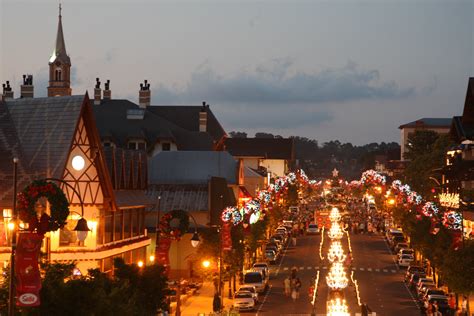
[[346, 70]]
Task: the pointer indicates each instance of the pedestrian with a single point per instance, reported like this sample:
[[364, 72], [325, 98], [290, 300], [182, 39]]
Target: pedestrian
[[361, 227], [429, 309], [436, 311], [464, 305], [365, 309], [216, 303], [298, 287], [293, 241], [452, 304], [287, 284]]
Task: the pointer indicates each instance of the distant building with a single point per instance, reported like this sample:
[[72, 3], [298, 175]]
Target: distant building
[[438, 125], [272, 155]]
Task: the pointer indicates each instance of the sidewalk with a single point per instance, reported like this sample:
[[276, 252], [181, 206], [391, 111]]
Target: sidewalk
[[201, 303]]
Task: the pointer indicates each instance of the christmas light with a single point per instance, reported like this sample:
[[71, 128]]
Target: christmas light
[[336, 278], [337, 307]]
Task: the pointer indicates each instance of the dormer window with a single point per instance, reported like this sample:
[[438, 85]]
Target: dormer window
[[137, 145], [108, 144], [166, 146]]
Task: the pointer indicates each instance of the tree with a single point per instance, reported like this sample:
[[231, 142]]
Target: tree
[[235, 134], [456, 269], [427, 151]]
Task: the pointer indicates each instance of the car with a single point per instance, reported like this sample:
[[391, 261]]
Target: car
[[405, 260], [282, 239], [251, 289], [262, 266], [433, 291], [423, 284], [312, 229], [271, 256], [413, 269], [425, 287], [405, 251], [400, 246], [255, 278], [414, 279], [395, 240], [441, 300], [244, 301], [273, 246]]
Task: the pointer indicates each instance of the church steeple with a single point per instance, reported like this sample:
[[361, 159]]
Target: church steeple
[[59, 65]]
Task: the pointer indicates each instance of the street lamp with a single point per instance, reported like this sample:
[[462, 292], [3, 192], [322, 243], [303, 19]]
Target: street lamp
[[195, 239]]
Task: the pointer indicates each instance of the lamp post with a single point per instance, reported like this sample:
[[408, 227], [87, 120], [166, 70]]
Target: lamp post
[[11, 295]]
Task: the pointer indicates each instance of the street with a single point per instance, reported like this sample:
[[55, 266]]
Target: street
[[380, 281]]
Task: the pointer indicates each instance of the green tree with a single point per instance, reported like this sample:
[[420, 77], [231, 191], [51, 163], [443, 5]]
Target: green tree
[[426, 152], [457, 270]]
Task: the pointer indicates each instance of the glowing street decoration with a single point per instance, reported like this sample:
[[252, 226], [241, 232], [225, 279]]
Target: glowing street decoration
[[336, 278], [452, 220], [335, 232], [450, 200], [337, 307], [334, 216], [254, 218], [336, 253], [429, 209]]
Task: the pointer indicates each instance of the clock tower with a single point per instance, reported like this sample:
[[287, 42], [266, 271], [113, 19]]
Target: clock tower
[[59, 66]]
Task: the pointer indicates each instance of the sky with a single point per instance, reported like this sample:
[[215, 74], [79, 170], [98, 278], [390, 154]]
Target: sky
[[341, 69]]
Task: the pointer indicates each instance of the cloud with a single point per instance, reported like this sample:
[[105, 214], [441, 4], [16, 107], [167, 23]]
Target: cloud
[[277, 83]]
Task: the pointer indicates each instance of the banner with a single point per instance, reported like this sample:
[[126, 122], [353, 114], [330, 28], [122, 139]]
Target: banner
[[226, 242], [162, 253], [28, 279]]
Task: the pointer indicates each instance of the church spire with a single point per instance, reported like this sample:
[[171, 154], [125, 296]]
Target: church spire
[[60, 48], [59, 65]]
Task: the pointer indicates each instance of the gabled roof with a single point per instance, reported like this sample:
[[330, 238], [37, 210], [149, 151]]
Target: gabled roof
[[9, 148], [187, 117], [462, 127], [268, 148], [45, 128], [428, 122], [112, 122], [191, 167]]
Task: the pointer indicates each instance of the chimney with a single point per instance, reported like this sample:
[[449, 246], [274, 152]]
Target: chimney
[[107, 92], [97, 92], [27, 88], [203, 117], [144, 94], [7, 91]]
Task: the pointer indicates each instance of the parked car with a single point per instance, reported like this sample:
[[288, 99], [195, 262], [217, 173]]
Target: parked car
[[244, 301], [393, 232], [255, 278], [400, 246], [262, 266], [251, 289], [273, 246], [413, 269], [395, 240], [414, 279], [271, 256], [424, 283], [405, 251], [312, 229], [425, 287], [431, 292], [405, 260]]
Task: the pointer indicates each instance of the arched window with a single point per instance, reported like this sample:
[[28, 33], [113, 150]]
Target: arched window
[[58, 75]]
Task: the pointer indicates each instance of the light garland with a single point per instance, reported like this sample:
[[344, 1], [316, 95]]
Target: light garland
[[334, 216], [356, 285], [335, 232], [321, 244], [336, 253], [452, 220], [316, 281]]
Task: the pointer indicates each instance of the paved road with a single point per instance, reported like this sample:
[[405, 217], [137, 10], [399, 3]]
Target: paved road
[[380, 280]]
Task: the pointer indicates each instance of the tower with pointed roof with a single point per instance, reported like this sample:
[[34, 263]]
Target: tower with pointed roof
[[59, 66]]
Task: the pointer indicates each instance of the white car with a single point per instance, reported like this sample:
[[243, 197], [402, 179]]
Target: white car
[[405, 251], [251, 289], [255, 278], [244, 301], [405, 260], [312, 229]]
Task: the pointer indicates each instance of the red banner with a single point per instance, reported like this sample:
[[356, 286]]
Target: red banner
[[226, 237], [27, 271], [162, 253]]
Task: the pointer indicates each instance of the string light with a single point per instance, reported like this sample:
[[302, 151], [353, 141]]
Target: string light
[[337, 307], [336, 278]]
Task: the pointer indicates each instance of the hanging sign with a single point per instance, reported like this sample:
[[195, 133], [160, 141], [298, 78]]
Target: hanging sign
[[27, 271], [162, 253], [226, 237]]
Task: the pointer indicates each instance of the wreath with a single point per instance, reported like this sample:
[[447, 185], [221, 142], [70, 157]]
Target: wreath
[[59, 206], [174, 232]]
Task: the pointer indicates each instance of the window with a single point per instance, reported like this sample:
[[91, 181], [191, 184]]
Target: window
[[58, 75], [109, 227], [141, 146], [118, 225], [166, 146], [127, 223], [132, 145]]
